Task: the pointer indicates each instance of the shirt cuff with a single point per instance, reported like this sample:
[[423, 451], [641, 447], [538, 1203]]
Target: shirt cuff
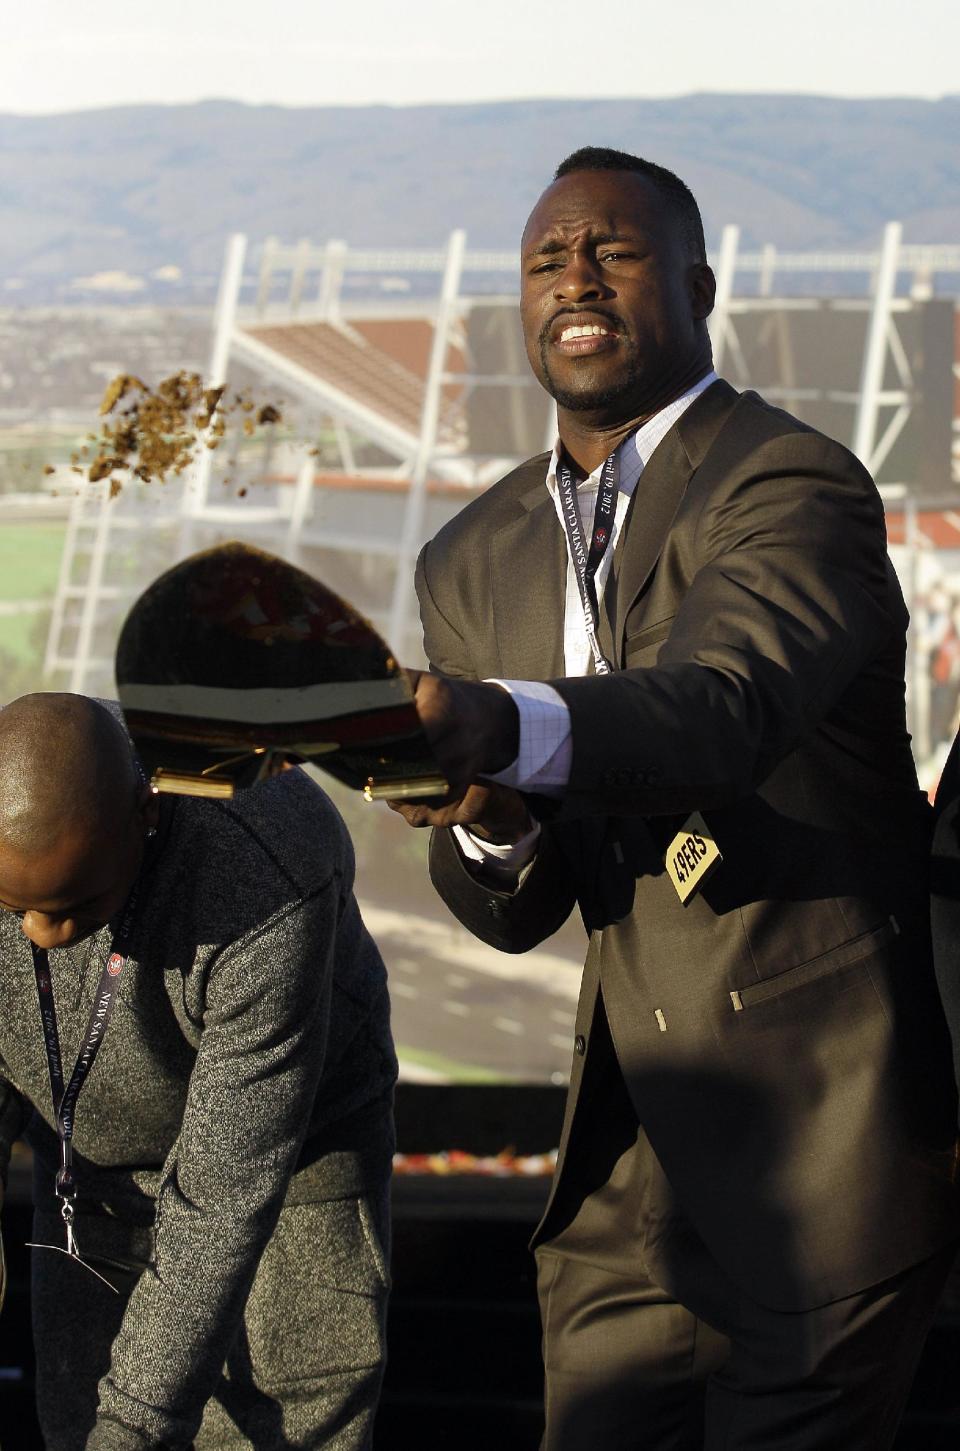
[[546, 750], [511, 856]]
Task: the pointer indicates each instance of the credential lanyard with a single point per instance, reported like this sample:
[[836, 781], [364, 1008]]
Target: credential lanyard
[[586, 560], [65, 1096]]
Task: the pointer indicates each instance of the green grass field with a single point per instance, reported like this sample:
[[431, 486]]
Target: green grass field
[[29, 560], [449, 1068], [29, 566]]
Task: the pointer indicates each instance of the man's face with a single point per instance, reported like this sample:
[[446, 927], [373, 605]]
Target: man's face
[[67, 893], [612, 304]]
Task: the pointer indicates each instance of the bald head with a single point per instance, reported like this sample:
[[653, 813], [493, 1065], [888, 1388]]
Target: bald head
[[66, 769]]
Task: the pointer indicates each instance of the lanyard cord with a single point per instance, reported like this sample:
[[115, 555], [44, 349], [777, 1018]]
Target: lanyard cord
[[586, 561], [65, 1096]]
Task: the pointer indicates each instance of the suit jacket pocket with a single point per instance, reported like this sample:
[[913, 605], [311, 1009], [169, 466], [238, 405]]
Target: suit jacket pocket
[[848, 954], [640, 648]]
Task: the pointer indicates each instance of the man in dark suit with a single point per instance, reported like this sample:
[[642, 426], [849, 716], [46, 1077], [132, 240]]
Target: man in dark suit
[[756, 1193], [945, 894]]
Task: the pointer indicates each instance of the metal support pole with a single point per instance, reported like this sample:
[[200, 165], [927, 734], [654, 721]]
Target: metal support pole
[[58, 618], [875, 350], [226, 310], [196, 491], [348, 461], [331, 281], [410, 537], [300, 263], [302, 499], [91, 597], [268, 252], [726, 268]]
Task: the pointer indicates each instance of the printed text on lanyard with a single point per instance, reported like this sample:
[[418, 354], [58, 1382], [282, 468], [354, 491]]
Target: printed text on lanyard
[[587, 560], [65, 1096]]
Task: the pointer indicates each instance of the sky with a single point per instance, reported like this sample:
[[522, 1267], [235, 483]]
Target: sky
[[59, 56]]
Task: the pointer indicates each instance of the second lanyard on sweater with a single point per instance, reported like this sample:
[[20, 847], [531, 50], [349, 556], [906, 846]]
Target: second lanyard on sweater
[[65, 1095], [587, 559]]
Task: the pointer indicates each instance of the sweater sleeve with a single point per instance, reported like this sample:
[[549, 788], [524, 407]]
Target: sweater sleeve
[[14, 1112], [249, 1103], [13, 1116]]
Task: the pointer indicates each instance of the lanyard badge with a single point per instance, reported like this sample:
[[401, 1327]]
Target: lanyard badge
[[65, 1096], [587, 559]]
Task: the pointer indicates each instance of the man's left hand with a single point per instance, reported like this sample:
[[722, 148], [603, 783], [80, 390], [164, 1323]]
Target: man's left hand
[[497, 813]]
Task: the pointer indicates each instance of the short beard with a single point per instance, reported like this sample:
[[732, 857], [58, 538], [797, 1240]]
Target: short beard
[[583, 401]]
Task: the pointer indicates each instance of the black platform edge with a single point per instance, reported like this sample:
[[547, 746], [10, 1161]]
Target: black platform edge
[[480, 1118]]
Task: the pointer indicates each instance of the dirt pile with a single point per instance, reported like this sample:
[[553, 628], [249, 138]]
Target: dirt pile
[[149, 433]]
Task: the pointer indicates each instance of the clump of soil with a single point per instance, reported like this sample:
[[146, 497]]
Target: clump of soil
[[149, 433]]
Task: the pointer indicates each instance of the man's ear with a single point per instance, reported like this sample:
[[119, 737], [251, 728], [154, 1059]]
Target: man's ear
[[703, 289]]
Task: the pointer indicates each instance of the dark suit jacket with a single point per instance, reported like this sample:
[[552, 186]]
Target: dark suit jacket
[[945, 895], [800, 1096]]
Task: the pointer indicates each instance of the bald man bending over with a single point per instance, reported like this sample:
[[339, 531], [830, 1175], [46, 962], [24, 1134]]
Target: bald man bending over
[[191, 981]]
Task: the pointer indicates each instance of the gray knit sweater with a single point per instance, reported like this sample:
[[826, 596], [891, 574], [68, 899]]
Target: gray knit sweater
[[247, 1063]]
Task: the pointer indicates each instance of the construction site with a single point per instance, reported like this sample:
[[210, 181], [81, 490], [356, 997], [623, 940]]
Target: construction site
[[404, 391]]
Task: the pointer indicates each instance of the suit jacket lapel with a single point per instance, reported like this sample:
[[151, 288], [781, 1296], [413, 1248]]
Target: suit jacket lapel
[[528, 559], [655, 501], [658, 495], [528, 566]]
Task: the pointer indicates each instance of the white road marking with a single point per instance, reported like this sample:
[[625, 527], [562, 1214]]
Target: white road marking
[[415, 1073], [509, 1025], [405, 964], [24, 607], [559, 1041], [453, 944], [567, 1020], [404, 990], [460, 1010], [456, 979]]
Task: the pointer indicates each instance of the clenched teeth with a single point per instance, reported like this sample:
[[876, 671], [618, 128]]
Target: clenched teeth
[[593, 331]]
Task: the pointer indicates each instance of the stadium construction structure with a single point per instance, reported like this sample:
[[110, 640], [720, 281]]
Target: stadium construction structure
[[405, 392]]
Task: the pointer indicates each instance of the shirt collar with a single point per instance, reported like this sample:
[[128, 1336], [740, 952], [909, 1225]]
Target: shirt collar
[[637, 449]]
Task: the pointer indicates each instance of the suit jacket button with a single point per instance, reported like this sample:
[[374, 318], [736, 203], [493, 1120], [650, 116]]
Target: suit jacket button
[[495, 907], [580, 1044]]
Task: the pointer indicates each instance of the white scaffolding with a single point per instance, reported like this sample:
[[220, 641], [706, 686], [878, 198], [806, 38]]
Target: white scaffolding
[[871, 401], [297, 320]]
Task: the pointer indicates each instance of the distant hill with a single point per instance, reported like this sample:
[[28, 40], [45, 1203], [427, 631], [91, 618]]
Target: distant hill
[[135, 189]]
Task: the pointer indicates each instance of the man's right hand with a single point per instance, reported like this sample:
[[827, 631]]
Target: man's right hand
[[472, 725]]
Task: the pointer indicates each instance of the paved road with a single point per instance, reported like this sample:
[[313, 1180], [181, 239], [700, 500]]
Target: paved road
[[462, 1010]]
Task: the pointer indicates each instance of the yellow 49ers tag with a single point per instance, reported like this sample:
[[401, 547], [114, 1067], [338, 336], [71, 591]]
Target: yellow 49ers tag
[[691, 857]]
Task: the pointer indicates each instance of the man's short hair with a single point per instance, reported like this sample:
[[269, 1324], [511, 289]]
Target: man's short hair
[[674, 191]]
